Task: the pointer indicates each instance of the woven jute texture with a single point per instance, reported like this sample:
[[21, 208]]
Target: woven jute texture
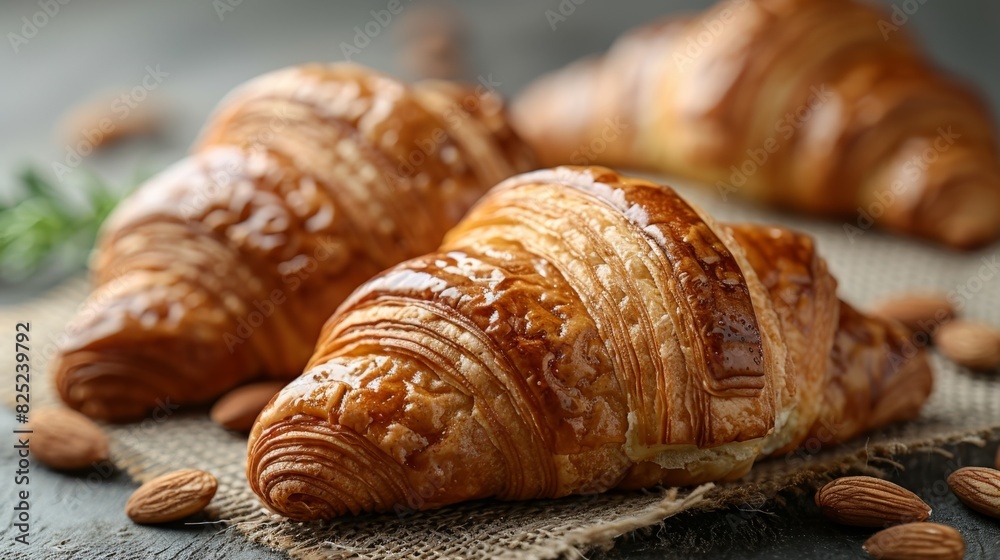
[[965, 406]]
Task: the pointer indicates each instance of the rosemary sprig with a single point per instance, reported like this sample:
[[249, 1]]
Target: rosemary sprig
[[43, 222]]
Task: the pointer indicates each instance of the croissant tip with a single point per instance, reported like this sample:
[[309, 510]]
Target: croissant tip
[[967, 239], [305, 468], [968, 234], [114, 390]]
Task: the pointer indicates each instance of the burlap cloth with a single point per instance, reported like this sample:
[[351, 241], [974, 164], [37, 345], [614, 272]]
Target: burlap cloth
[[964, 407]]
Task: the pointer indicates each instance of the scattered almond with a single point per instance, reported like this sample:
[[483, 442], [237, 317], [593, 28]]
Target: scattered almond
[[238, 408], [978, 488], [65, 439], [432, 42], [919, 312], [864, 501], [914, 541], [172, 496], [104, 119], [973, 345]]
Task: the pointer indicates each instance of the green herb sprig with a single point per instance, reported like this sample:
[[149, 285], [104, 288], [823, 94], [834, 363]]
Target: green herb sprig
[[43, 221]]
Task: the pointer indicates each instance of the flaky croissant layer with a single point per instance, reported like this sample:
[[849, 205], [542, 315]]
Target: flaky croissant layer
[[813, 105], [306, 182], [578, 331]]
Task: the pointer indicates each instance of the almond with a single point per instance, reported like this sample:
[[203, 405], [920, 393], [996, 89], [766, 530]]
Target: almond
[[864, 501], [978, 488], [919, 312], [88, 117], [172, 496], [997, 460], [65, 439], [914, 541], [973, 345], [238, 408]]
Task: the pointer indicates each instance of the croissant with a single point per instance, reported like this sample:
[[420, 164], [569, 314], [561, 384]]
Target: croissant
[[578, 331], [306, 182], [819, 106]]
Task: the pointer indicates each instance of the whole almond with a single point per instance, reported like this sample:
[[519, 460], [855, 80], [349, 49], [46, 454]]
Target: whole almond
[[864, 501], [997, 460], [914, 541], [65, 439], [89, 115], [238, 408], [978, 488], [919, 312], [172, 496], [973, 345]]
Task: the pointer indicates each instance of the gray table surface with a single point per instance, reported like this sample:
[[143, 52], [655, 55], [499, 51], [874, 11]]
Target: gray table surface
[[85, 49]]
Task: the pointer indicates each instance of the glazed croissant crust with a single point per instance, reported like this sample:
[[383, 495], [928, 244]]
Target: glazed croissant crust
[[305, 183], [578, 331], [820, 106]]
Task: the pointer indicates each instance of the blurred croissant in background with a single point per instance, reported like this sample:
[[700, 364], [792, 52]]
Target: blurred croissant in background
[[820, 106], [306, 182]]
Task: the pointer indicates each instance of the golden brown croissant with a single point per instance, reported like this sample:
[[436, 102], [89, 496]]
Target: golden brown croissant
[[578, 331], [306, 182], [821, 106]]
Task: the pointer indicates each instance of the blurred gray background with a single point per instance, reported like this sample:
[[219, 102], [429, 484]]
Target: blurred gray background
[[206, 48]]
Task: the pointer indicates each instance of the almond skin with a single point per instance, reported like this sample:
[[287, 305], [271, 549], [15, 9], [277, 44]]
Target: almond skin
[[65, 439], [978, 488], [171, 496], [919, 312], [864, 501], [973, 345], [915, 541], [238, 408]]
